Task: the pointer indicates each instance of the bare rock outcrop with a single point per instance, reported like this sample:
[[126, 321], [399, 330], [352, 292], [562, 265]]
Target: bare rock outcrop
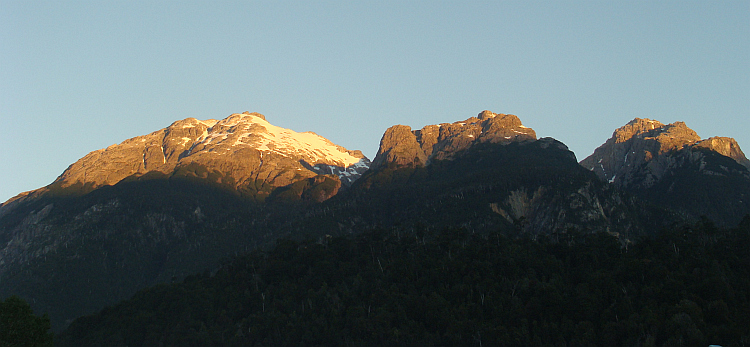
[[640, 153], [243, 151], [401, 146], [725, 146]]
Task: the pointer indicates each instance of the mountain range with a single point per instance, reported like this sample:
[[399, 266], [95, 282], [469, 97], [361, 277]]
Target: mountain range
[[181, 200]]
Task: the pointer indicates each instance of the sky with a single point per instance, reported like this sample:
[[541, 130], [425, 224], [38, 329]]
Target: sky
[[77, 76]]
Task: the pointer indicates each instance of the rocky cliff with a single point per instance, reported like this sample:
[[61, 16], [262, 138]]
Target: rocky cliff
[[242, 149], [488, 172], [243, 152], [638, 142], [643, 151], [402, 147], [726, 146], [670, 166]]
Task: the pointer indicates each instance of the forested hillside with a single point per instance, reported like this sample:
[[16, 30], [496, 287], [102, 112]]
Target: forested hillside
[[687, 286]]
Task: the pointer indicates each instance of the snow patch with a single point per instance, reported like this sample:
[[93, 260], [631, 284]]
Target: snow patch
[[277, 140], [361, 164], [349, 174]]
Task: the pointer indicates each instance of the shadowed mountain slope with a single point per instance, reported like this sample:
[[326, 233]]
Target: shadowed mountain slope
[[670, 166]]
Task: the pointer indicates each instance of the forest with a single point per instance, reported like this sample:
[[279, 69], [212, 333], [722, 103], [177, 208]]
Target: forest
[[20, 327], [687, 285]]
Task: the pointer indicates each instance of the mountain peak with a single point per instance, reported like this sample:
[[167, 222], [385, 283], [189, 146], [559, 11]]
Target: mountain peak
[[238, 151], [650, 142], [670, 136], [402, 146], [635, 127]]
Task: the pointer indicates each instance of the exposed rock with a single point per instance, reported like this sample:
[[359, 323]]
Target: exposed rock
[[671, 167], [725, 146], [399, 146], [403, 147], [520, 204], [243, 152], [641, 141]]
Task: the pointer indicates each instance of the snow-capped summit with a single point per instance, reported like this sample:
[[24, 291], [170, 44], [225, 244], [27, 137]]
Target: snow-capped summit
[[243, 151]]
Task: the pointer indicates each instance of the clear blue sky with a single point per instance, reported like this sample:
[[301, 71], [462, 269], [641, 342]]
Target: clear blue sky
[[77, 76]]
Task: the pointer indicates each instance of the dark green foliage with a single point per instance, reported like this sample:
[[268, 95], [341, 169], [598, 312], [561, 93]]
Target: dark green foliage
[[19, 327], [688, 286]]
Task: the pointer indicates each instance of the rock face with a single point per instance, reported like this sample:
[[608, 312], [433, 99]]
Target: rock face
[[726, 146], [488, 172], [403, 147], [243, 151], [670, 166], [534, 188], [640, 153]]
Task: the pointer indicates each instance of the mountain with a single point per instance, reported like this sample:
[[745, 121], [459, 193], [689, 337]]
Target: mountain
[[487, 174], [435, 244], [184, 199], [243, 152], [402, 147], [158, 207], [671, 166]]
